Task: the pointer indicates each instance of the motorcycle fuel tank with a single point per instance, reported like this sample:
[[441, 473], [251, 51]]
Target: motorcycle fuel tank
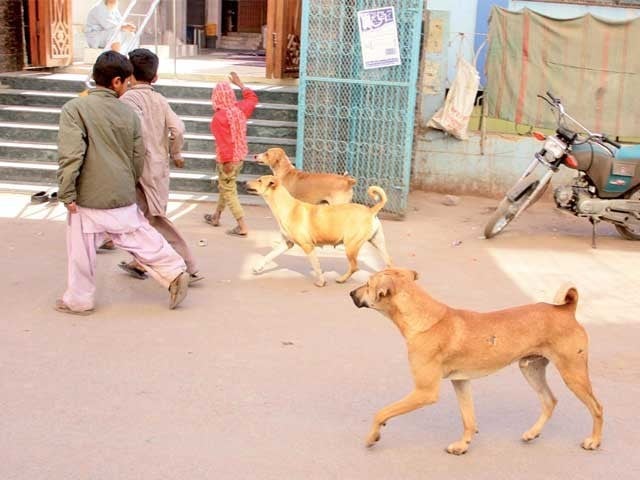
[[612, 177]]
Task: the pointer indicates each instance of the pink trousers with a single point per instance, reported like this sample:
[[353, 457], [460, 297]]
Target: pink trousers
[[129, 231]]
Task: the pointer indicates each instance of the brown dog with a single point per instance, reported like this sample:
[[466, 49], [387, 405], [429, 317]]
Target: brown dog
[[309, 226], [308, 187], [461, 345]]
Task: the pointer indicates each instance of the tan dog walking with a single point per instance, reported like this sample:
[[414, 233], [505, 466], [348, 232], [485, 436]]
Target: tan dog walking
[[310, 226], [308, 187], [462, 345]]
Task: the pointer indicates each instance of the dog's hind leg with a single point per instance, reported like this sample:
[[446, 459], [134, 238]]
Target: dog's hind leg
[[463, 392], [575, 373], [534, 370], [352, 257], [416, 399], [379, 243]]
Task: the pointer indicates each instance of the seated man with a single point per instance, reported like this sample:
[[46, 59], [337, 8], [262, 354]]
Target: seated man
[[102, 27]]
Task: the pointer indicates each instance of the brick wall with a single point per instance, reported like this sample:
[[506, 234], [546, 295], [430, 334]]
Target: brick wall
[[11, 41]]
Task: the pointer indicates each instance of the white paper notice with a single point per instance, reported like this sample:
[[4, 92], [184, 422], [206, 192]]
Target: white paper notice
[[379, 37]]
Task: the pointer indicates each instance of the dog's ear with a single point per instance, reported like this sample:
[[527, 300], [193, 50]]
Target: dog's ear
[[415, 274], [385, 287], [274, 183]]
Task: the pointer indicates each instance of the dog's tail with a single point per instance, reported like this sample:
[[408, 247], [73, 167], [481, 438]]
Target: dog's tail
[[567, 294], [377, 193]]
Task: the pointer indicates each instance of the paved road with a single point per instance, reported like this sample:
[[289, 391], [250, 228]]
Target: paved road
[[271, 378]]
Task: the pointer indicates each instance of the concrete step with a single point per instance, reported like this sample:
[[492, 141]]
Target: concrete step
[[242, 41], [180, 180], [238, 45], [74, 84], [193, 124], [30, 110], [48, 153], [194, 142], [182, 106]]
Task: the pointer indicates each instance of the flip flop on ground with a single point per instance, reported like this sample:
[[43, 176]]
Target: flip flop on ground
[[40, 197], [211, 220], [194, 278], [132, 270], [237, 232], [62, 307]]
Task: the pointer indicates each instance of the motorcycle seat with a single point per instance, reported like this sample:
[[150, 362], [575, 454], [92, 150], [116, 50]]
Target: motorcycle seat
[[630, 153]]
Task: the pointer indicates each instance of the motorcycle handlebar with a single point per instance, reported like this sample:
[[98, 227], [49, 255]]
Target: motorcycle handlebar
[[612, 142], [557, 104], [555, 100]]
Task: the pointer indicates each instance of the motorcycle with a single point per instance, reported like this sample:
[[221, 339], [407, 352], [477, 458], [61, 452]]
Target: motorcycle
[[607, 187]]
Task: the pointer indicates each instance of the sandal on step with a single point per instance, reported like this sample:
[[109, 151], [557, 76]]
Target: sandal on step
[[133, 271], [62, 307], [195, 277], [208, 218], [236, 232]]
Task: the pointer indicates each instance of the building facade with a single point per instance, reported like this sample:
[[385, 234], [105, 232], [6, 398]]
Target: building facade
[[11, 36]]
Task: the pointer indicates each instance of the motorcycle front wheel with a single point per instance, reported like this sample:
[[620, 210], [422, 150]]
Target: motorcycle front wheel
[[630, 233], [509, 209]]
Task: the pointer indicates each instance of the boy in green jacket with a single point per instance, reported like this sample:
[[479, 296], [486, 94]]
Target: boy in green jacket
[[100, 158]]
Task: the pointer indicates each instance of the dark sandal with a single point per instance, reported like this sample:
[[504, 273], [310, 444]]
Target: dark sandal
[[40, 197], [133, 271], [235, 232], [208, 218]]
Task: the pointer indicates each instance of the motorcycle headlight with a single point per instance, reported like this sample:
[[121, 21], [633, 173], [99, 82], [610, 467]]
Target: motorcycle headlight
[[555, 147]]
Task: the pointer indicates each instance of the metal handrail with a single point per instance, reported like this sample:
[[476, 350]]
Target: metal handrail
[[150, 12]]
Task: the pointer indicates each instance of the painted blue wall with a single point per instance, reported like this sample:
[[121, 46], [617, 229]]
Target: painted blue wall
[[443, 163], [482, 29], [467, 18]]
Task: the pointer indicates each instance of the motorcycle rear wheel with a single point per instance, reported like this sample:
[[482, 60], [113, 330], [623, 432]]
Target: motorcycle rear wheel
[[508, 210], [630, 233]]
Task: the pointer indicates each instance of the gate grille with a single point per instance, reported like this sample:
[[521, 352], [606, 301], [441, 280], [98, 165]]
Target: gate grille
[[352, 119]]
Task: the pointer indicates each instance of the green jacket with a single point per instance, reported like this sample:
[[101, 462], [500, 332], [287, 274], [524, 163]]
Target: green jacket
[[100, 151]]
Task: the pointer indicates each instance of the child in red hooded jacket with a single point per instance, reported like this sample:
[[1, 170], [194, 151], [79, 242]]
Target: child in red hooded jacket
[[229, 127]]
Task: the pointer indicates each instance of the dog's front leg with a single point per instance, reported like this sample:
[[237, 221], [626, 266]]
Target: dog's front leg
[[463, 392], [282, 247], [416, 399], [315, 264]]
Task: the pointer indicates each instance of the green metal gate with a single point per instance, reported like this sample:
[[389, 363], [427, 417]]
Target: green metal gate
[[351, 119]]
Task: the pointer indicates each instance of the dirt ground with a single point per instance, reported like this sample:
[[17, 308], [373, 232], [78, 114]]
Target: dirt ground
[[269, 377]]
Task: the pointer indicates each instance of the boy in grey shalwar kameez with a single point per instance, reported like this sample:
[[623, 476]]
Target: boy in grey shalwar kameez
[[163, 136]]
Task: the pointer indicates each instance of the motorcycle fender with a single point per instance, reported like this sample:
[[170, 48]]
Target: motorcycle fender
[[520, 188]]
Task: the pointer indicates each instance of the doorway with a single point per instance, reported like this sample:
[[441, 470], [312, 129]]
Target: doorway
[[243, 16], [283, 38]]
